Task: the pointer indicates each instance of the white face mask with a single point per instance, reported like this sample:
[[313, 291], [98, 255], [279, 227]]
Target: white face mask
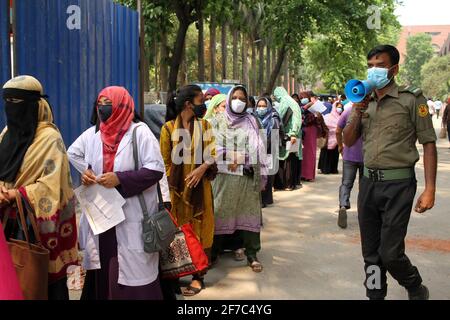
[[238, 106]]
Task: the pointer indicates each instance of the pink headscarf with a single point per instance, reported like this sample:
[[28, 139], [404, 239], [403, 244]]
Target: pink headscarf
[[212, 92], [9, 285], [331, 120]]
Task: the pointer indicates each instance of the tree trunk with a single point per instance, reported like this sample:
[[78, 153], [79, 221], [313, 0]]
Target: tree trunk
[[245, 75], [235, 54], [274, 60], [177, 54], [224, 51], [286, 73], [261, 68], [254, 68], [212, 47], [201, 47], [156, 63], [182, 77], [268, 65], [277, 69], [164, 72]]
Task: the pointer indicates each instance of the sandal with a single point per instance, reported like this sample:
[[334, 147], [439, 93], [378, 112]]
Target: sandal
[[191, 291], [239, 255], [255, 265]]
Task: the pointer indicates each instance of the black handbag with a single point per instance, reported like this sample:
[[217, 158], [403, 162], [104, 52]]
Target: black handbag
[[158, 229]]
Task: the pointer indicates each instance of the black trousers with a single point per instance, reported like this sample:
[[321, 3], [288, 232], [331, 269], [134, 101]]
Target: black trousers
[[384, 210], [251, 241], [288, 175], [267, 194]]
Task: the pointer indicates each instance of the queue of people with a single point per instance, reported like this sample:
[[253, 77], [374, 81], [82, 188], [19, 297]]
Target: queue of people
[[218, 160], [270, 130]]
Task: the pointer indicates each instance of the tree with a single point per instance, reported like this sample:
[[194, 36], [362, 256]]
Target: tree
[[335, 51], [186, 13], [201, 42], [212, 48], [419, 51], [436, 77]]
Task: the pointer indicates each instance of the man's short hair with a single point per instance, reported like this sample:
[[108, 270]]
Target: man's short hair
[[392, 51]]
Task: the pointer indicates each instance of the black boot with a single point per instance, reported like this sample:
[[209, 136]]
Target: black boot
[[420, 293]]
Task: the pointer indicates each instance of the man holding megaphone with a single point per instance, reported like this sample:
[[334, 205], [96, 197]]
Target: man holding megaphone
[[390, 119]]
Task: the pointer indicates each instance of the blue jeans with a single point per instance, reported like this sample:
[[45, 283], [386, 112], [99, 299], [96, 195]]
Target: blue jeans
[[350, 169]]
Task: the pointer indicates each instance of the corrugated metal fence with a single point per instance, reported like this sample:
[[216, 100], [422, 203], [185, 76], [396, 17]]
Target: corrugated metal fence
[[76, 48], [5, 52]]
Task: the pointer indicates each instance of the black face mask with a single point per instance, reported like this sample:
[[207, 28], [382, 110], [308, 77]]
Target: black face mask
[[15, 116], [105, 112], [22, 121], [200, 110]]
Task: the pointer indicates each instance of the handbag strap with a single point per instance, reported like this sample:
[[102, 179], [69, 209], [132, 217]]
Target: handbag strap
[[22, 221], [136, 167]]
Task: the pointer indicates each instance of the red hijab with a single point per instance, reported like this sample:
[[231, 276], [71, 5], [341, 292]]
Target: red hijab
[[113, 130], [9, 285]]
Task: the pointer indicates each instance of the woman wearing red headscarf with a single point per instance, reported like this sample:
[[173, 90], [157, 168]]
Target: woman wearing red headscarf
[[9, 285], [118, 268]]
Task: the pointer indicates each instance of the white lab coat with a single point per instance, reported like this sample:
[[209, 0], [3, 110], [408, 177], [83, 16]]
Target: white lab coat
[[136, 267]]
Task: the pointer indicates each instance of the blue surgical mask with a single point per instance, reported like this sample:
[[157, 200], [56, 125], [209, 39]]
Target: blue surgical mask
[[261, 112], [304, 101], [379, 77]]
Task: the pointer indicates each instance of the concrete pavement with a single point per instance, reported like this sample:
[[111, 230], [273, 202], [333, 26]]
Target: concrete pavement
[[307, 256]]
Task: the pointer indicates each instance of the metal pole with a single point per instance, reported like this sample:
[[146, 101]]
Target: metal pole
[[141, 59], [13, 23]]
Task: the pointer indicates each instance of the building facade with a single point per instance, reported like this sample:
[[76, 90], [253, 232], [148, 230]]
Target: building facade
[[439, 33]]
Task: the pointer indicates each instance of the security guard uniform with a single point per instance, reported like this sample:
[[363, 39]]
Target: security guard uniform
[[390, 130]]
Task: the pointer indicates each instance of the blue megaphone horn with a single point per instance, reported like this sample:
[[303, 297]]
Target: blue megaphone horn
[[357, 90]]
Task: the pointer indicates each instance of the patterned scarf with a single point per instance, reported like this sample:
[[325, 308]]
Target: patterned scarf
[[45, 184]]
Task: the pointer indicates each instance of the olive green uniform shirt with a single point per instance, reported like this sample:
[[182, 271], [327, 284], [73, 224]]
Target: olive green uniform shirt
[[392, 126]]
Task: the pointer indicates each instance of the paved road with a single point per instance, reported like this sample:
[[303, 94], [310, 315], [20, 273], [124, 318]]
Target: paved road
[[306, 255]]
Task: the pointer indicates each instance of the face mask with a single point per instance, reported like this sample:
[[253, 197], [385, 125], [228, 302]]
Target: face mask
[[105, 112], [379, 77], [339, 110], [199, 110], [238, 106], [261, 112], [14, 114], [304, 101]]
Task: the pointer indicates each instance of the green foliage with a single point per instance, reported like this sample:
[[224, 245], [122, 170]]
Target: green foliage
[[339, 52], [419, 51], [436, 77], [327, 40]]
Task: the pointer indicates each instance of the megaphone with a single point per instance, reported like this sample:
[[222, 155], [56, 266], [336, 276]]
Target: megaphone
[[357, 90]]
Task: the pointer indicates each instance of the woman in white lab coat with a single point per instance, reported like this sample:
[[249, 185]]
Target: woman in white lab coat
[[118, 267]]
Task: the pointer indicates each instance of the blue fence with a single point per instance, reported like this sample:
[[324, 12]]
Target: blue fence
[[5, 52], [76, 48]]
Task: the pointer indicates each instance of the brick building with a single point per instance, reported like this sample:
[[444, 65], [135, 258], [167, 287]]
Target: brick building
[[445, 50], [439, 33]]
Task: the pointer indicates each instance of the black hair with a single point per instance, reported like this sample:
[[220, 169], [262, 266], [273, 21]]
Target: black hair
[[392, 51], [269, 98], [176, 100], [295, 95], [252, 101]]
